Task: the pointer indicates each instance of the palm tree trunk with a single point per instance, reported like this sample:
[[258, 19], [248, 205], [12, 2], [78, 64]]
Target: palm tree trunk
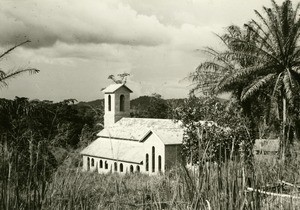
[[283, 143]]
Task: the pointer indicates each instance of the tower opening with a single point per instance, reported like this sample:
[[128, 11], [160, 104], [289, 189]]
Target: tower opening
[[109, 102], [153, 159], [122, 103]]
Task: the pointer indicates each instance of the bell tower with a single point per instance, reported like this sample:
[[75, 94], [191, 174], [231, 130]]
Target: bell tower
[[117, 103]]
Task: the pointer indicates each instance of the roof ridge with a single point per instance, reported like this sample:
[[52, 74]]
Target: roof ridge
[[114, 87]]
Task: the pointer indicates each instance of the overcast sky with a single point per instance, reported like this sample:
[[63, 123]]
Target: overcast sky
[[77, 44]]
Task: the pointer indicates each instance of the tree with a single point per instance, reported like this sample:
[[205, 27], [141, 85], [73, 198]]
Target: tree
[[5, 76], [273, 76], [213, 130], [33, 134], [209, 74], [153, 106], [25, 150], [121, 78]]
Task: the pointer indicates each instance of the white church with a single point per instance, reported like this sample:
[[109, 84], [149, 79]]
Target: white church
[[129, 145]]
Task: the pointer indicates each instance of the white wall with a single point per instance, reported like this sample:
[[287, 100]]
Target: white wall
[[170, 156], [154, 141], [110, 117], [110, 165], [84, 163]]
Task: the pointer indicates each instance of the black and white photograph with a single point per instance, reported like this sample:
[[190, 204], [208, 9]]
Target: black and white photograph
[[150, 104]]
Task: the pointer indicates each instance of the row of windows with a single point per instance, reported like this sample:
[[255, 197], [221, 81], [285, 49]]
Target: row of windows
[[100, 163], [122, 103], [121, 167], [153, 161], [105, 165]]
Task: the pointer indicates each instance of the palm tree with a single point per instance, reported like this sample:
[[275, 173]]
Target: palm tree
[[223, 64], [275, 70], [5, 76]]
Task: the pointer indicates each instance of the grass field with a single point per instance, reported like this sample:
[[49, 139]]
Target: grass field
[[210, 186]]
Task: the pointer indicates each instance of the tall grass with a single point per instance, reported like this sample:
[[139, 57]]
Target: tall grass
[[208, 186]]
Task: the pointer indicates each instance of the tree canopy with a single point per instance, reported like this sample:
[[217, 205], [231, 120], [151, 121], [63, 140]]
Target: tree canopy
[[260, 66], [214, 129]]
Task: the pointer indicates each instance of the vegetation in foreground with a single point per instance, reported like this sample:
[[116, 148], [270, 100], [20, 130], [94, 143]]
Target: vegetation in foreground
[[207, 186], [40, 166]]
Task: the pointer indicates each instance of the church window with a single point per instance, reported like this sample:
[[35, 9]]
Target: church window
[[153, 159], [93, 162], [121, 167], [109, 102], [106, 165], [159, 163], [116, 166], [131, 169], [138, 168], [88, 163], [101, 164], [122, 103], [147, 162]]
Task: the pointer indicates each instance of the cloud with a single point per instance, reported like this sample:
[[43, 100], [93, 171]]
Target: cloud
[[46, 22], [76, 44], [88, 52]]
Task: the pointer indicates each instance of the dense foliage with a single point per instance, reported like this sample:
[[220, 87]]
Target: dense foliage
[[153, 106], [31, 132], [260, 67], [214, 129], [60, 124]]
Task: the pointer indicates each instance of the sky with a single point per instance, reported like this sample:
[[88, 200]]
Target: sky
[[77, 44]]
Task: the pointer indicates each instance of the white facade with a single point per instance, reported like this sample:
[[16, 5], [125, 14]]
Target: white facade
[[155, 149], [129, 145], [102, 165], [116, 104]]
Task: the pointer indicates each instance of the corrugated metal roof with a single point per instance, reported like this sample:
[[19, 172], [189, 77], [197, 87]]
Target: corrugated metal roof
[[170, 136], [135, 129], [130, 151], [113, 87]]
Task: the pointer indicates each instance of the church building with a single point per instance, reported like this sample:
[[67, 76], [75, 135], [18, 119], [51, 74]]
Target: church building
[[129, 145]]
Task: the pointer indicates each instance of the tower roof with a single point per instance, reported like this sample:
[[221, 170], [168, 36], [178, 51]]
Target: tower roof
[[114, 87]]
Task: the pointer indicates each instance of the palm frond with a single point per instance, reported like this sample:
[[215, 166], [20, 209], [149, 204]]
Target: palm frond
[[2, 73], [294, 83], [274, 27], [217, 56], [209, 65], [264, 37], [262, 51], [14, 47], [244, 74], [239, 56], [6, 76], [276, 6], [207, 75], [232, 31], [296, 11], [3, 84], [296, 75], [256, 86]]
